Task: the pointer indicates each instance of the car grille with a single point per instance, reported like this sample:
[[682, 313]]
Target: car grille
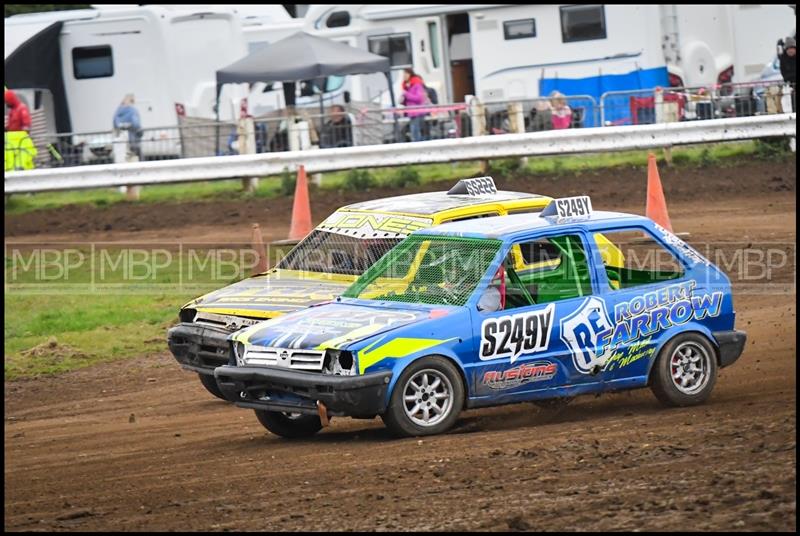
[[227, 322], [284, 357]]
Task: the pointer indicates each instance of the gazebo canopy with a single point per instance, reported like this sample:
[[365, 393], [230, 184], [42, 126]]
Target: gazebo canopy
[[302, 56]]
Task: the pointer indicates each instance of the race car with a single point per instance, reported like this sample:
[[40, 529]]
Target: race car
[[325, 263], [448, 320]]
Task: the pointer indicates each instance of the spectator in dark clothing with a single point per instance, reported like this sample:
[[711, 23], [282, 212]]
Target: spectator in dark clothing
[[19, 118], [337, 130], [788, 60]]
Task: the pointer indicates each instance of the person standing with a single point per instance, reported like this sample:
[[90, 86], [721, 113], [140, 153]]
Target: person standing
[[127, 118], [788, 61], [561, 112], [414, 94], [338, 130], [19, 117]]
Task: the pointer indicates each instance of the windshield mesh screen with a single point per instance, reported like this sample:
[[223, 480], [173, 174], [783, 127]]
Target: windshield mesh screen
[[424, 269], [333, 253]]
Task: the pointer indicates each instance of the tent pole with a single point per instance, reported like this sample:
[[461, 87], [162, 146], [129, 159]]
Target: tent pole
[[394, 105]]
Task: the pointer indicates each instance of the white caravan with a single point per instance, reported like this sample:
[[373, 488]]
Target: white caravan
[[512, 51]]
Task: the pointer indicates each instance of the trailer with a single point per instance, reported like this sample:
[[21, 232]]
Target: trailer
[[504, 52]]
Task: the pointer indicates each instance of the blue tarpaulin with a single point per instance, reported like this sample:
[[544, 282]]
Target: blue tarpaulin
[[597, 85]]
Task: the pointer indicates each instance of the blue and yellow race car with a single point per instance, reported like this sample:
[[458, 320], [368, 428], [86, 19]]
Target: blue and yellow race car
[[447, 320]]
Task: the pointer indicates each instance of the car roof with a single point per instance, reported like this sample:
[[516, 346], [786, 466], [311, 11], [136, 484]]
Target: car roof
[[509, 227], [432, 202]]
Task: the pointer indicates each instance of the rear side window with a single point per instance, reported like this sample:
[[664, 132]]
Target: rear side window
[[92, 62], [632, 257], [396, 47], [519, 29]]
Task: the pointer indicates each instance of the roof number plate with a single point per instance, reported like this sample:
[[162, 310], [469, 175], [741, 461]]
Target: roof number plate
[[475, 187], [569, 208]]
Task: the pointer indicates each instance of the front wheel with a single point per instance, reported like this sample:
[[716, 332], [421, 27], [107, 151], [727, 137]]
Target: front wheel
[[427, 398], [210, 383], [685, 371], [289, 425]]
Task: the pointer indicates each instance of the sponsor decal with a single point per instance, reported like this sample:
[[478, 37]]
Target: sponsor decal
[[595, 341], [581, 331], [631, 354], [514, 335], [687, 250], [373, 224], [519, 375], [651, 312]]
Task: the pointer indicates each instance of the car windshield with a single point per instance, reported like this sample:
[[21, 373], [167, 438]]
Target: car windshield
[[424, 269], [333, 253]]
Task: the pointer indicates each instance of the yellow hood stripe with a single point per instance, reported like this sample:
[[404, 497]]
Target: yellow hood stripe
[[396, 348]]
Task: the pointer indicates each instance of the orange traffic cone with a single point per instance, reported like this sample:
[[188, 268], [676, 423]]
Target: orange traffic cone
[[656, 208], [301, 211], [258, 245]]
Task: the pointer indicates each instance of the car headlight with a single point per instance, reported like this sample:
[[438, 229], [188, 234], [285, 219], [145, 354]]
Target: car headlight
[[339, 363]]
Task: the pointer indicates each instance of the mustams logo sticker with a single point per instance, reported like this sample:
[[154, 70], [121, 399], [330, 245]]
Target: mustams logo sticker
[[581, 331], [514, 335], [519, 375]]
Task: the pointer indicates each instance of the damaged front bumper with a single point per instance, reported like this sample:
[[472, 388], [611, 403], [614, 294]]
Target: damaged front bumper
[[199, 348], [280, 389]]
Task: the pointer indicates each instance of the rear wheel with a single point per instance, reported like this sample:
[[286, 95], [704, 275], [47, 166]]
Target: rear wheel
[[686, 371], [289, 425], [427, 398], [210, 383]]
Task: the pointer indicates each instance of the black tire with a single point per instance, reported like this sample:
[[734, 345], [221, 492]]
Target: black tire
[[553, 403], [293, 426], [396, 416], [671, 361], [210, 383]]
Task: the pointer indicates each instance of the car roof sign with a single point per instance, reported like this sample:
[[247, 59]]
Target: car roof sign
[[568, 208], [475, 187]]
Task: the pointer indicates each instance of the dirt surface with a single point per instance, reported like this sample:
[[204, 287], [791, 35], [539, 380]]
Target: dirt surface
[[139, 444]]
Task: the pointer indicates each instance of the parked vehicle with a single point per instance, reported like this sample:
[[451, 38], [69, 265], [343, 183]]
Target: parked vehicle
[[505, 52], [449, 320]]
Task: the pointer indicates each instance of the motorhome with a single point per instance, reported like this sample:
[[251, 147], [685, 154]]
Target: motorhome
[[508, 51]]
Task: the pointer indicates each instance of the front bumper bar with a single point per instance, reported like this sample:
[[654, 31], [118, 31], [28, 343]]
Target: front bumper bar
[[199, 348], [280, 389], [731, 345]]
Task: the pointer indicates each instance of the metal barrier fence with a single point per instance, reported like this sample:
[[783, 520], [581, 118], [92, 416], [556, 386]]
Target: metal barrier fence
[[666, 105], [361, 124]]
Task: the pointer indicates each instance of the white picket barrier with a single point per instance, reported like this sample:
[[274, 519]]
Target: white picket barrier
[[587, 140]]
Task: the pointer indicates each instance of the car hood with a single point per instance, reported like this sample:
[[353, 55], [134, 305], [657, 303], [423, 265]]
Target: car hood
[[273, 294], [333, 325]]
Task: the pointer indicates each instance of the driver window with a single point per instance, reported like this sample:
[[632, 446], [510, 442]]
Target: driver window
[[556, 269]]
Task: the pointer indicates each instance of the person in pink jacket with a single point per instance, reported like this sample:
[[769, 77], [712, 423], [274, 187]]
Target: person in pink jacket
[[414, 94], [562, 113]]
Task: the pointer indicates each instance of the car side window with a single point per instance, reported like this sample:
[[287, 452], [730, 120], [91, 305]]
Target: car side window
[[633, 257], [562, 273]]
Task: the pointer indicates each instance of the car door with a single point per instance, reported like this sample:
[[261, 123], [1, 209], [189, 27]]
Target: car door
[[542, 335], [638, 292]]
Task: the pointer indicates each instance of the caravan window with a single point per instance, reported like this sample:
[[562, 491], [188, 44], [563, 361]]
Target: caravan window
[[396, 47], [583, 23], [519, 29], [92, 62], [338, 19]]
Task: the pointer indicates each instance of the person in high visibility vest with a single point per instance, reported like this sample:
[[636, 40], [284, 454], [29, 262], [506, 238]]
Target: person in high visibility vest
[[19, 149]]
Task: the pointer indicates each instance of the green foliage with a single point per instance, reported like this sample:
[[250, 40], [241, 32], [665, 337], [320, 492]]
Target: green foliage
[[771, 148], [707, 158], [506, 167], [403, 177], [288, 182], [358, 180]]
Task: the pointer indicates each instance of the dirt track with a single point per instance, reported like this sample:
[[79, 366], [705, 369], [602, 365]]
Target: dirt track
[[139, 445]]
